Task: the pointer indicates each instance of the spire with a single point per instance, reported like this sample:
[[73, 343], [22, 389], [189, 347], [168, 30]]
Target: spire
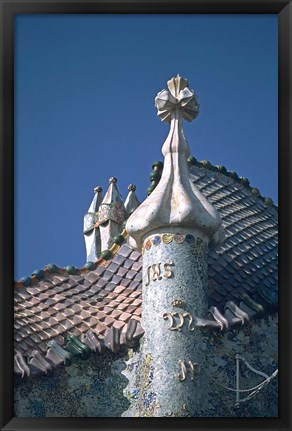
[[90, 229], [111, 215], [173, 227], [175, 202], [131, 202]]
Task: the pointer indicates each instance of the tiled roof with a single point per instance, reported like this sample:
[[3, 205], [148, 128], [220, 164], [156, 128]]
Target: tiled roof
[[98, 309]]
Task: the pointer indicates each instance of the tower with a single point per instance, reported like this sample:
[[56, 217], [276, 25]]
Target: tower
[[173, 227]]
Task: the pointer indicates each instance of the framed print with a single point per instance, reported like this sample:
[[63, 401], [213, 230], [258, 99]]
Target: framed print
[[141, 271]]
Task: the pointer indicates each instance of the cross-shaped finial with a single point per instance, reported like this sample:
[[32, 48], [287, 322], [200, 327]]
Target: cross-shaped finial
[[178, 97]]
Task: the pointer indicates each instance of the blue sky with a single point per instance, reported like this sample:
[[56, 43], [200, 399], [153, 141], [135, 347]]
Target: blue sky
[[84, 111]]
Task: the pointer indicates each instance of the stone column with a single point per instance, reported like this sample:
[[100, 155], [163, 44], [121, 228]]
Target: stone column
[[173, 227], [174, 294]]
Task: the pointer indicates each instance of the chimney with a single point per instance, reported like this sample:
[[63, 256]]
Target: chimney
[[90, 228], [111, 215], [131, 202]]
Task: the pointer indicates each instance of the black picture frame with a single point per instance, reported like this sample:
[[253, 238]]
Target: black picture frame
[[10, 8]]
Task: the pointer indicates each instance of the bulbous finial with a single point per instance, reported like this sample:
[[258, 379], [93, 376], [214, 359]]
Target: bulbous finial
[[97, 189], [112, 180], [131, 187]]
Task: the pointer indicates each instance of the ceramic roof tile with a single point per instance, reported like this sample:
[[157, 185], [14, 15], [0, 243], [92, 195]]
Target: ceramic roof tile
[[23, 295], [116, 313], [110, 287], [137, 302], [86, 283], [99, 328], [58, 279], [138, 277], [99, 271], [46, 335], [116, 279], [122, 271], [119, 259], [136, 293], [112, 295], [215, 298], [137, 265], [93, 276], [68, 312], [93, 321], [125, 282], [122, 306], [127, 300], [107, 275], [113, 267], [124, 317], [131, 308], [114, 303], [22, 345], [131, 274], [137, 312], [128, 263], [135, 255], [109, 320], [95, 289], [125, 250], [235, 293], [119, 324], [101, 282], [134, 284]]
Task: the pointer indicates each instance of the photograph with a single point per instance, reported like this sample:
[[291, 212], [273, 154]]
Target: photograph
[[146, 217]]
